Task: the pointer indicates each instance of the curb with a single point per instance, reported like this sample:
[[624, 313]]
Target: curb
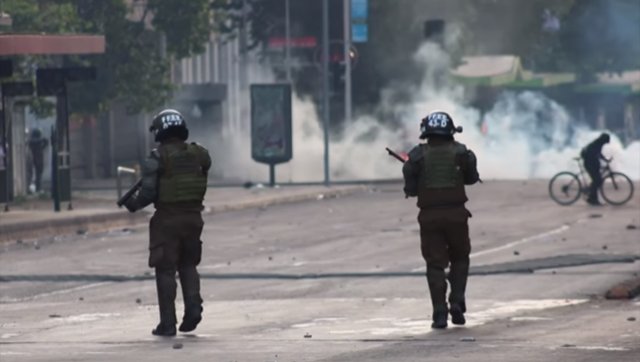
[[122, 219], [626, 290]]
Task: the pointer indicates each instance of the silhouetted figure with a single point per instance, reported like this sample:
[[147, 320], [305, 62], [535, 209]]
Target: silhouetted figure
[[591, 156], [37, 145]]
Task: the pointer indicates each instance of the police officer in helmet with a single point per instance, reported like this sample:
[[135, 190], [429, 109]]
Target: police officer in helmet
[[174, 179], [436, 173]]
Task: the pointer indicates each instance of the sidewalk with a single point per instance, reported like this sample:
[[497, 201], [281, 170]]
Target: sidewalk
[[97, 210]]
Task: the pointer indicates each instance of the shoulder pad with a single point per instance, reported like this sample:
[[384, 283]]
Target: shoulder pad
[[155, 153], [416, 153], [461, 147]]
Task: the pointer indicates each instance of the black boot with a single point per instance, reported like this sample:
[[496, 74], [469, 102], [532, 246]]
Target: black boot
[[190, 283], [166, 287], [438, 289], [164, 330], [458, 275]]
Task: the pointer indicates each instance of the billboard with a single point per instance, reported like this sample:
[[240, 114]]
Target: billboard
[[271, 128]]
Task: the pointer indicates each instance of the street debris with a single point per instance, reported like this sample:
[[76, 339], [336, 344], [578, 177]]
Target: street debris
[[177, 346], [55, 316], [568, 345], [81, 299], [138, 301], [37, 247], [81, 232], [19, 242], [516, 253], [270, 258], [631, 319], [467, 339], [307, 335], [320, 197], [595, 216], [605, 247], [631, 227]]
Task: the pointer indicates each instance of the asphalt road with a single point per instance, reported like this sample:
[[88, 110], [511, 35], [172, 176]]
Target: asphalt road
[[556, 314]]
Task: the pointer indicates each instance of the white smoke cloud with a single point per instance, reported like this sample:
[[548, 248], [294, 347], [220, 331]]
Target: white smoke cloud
[[529, 136]]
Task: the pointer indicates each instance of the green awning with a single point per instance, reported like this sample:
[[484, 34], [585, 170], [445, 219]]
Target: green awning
[[625, 83], [487, 70], [528, 79]]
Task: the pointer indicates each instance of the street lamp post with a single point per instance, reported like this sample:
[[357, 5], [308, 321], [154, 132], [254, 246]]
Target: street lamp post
[[347, 60], [288, 41], [325, 85]]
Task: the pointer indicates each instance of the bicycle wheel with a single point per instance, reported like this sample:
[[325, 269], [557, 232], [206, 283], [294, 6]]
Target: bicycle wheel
[[565, 188], [616, 188]]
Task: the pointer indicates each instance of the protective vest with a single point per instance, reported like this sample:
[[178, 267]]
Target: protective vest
[[441, 167], [182, 179]]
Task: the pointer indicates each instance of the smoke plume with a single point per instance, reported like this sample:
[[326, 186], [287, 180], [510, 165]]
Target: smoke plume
[[529, 135]]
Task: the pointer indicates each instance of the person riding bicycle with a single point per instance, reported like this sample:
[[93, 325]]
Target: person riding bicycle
[[591, 156]]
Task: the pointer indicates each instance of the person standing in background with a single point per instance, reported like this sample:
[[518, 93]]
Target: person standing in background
[[37, 145]]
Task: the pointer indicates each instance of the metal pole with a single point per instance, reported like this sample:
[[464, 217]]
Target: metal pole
[[347, 57], [325, 85], [4, 141], [288, 40], [243, 47], [272, 175]]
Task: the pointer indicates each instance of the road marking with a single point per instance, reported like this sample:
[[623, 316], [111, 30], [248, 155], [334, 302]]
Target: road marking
[[528, 239], [57, 292]]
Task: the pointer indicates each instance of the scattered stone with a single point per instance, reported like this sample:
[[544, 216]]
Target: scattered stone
[[320, 197], [516, 253], [605, 247], [138, 301], [81, 232], [147, 274], [19, 242], [270, 258], [553, 272], [81, 299], [568, 345], [595, 216], [177, 346], [631, 227], [467, 339], [293, 258], [228, 263], [377, 266], [564, 239], [631, 319], [307, 335], [55, 316], [37, 247]]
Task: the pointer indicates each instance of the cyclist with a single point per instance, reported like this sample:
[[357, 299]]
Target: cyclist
[[591, 156]]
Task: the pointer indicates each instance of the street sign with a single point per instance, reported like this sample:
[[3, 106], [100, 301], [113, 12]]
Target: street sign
[[6, 68], [17, 89], [359, 9], [271, 126], [359, 33], [52, 81]]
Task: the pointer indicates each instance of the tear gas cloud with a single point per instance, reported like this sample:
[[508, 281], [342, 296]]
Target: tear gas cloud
[[529, 135]]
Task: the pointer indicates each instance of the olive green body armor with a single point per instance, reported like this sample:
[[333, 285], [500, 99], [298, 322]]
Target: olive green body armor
[[183, 179]]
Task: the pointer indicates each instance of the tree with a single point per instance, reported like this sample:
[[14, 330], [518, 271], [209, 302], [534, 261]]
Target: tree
[[134, 68]]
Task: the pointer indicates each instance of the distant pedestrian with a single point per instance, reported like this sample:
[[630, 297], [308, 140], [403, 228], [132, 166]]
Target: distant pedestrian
[[37, 145]]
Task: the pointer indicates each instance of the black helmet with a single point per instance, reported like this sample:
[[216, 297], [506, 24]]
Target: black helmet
[[36, 133], [169, 123], [438, 123]]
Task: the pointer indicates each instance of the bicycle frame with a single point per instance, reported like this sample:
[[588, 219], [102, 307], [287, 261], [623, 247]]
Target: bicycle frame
[[605, 171]]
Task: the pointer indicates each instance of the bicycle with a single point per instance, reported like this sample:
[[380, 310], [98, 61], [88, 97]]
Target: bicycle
[[577, 183]]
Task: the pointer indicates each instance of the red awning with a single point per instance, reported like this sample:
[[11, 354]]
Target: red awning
[[23, 44]]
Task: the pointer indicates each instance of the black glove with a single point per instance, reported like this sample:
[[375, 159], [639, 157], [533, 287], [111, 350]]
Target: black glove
[[130, 206]]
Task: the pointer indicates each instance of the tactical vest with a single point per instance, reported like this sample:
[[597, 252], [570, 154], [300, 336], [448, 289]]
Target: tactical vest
[[441, 167], [182, 179]]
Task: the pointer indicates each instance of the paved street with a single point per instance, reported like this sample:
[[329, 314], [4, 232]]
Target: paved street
[[269, 296]]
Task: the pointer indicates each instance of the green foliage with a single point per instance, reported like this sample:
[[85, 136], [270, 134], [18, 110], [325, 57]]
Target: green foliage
[[133, 68]]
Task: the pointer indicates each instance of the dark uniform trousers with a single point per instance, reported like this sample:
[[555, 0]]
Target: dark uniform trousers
[[175, 246], [444, 236]]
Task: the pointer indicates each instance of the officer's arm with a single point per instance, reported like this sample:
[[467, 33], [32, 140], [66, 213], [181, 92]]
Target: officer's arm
[[471, 175], [149, 188], [206, 162], [411, 172]]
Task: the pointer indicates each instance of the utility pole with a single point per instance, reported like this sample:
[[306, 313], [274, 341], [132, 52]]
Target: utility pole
[[347, 59], [288, 40], [243, 47], [325, 86]]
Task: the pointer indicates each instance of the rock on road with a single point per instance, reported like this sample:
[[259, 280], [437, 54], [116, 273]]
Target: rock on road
[[555, 314]]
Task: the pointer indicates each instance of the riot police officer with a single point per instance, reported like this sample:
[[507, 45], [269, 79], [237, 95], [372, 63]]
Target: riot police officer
[[436, 173], [174, 179]]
